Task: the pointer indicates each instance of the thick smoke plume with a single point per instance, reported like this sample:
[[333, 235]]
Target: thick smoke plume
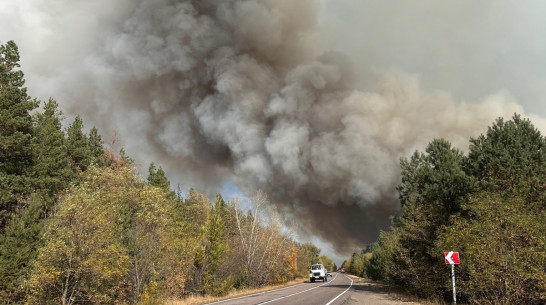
[[247, 91]]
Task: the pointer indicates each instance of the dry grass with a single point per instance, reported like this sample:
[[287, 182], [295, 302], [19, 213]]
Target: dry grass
[[197, 300]]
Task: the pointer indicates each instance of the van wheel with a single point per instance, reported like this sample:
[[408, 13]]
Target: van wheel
[[326, 278], [312, 280]]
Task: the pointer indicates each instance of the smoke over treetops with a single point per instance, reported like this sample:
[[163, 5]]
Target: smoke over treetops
[[248, 91]]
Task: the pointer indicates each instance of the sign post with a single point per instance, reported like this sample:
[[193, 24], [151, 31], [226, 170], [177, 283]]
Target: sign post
[[453, 280], [452, 258]]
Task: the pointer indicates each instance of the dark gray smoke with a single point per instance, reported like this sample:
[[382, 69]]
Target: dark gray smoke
[[247, 91]]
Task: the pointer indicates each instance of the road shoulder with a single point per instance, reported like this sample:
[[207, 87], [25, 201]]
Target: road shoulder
[[368, 292], [200, 300]]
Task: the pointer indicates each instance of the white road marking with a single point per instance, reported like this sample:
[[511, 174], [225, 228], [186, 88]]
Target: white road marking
[[342, 292], [286, 296], [251, 295]]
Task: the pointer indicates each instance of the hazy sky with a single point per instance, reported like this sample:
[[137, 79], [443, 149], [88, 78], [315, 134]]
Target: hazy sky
[[467, 48], [312, 101]]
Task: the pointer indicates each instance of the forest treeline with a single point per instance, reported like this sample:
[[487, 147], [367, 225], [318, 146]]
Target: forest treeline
[[488, 204], [78, 225]]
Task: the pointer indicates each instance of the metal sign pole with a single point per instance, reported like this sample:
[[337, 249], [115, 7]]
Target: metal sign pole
[[453, 279]]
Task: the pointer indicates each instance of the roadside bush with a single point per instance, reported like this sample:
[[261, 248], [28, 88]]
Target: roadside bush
[[502, 242], [381, 265]]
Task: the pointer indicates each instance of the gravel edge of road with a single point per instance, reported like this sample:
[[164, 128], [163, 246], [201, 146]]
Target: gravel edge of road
[[391, 292]]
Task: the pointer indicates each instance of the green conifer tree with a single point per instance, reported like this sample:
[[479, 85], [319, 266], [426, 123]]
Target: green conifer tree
[[433, 186], [49, 145], [216, 248], [510, 157], [156, 177], [18, 248], [15, 132], [77, 145], [96, 148]]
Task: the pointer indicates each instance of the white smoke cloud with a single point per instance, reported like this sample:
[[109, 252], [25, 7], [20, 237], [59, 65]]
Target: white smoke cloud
[[248, 91]]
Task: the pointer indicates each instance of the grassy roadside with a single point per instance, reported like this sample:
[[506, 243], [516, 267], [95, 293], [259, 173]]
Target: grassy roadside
[[198, 300]]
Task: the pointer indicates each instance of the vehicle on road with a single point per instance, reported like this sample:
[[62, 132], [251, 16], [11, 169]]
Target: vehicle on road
[[329, 273], [318, 272]]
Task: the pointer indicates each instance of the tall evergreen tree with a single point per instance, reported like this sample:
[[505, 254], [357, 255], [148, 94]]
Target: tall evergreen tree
[[15, 132], [79, 151], [156, 177], [433, 187], [18, 248], [510, 157], [96, 148], [51, 168], [216, 247]]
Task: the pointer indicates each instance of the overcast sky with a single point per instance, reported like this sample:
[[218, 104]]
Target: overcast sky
[[468, 48]]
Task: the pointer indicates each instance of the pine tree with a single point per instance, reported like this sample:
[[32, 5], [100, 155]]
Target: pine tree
[[15, 132], [510, 157], [18, 248], [79, 151], [156, 177], [216, 248], [96, 148], [433, 186], [51, 168]]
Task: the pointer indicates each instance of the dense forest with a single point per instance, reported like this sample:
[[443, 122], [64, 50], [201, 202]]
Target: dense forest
[[488, 204], [79, 225]]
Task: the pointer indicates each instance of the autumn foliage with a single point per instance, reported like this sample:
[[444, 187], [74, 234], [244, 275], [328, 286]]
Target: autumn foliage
[[79, 225]]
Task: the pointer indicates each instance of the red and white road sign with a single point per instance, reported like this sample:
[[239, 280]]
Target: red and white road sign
[[452, 257]]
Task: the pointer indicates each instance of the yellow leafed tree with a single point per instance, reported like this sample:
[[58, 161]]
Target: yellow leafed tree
[[112, 239]]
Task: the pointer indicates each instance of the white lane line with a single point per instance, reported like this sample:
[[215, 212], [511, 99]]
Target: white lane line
[[251, 295], [286, 296], [342, 292]]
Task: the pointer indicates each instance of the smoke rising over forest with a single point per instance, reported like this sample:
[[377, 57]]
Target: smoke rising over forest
[[247, 91]]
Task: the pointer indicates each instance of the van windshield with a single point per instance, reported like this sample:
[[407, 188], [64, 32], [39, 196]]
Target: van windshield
[[315, 267]]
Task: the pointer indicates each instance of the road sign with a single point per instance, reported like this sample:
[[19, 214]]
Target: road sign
[[452, 258]]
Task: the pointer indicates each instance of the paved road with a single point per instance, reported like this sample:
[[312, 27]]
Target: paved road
[[329, 293], [339, 290]]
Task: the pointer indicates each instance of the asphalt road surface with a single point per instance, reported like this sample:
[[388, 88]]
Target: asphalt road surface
[[340, 289]]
